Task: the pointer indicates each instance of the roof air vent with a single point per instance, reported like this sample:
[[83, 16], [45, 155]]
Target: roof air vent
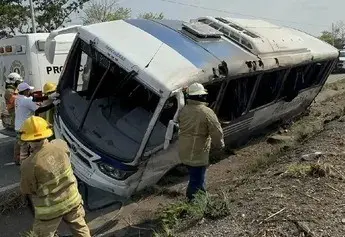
[[201, 30], [237, 27]]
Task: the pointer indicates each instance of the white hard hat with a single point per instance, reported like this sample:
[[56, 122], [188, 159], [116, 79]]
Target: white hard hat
[[196, 89], [13, 77], [24, 86]]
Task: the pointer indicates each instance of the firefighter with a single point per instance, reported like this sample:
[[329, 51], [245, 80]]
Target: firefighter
[[11, 83], [24, 108], [49, 101], [198, 126], [47, 178], [13, 80]]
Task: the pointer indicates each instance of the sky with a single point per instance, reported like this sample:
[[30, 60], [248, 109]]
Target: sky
[[312, 16]]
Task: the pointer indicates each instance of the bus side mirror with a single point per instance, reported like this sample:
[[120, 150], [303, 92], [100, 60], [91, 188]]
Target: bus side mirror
[[50, 43], [169, 133], [49, 50]]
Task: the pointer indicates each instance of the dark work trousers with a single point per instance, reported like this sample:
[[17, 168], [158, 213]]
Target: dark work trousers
[[196, 180]]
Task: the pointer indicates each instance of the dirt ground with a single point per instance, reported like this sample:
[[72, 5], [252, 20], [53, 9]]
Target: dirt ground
[[301, 195], [298, 191], [273, 190], [305, 189]]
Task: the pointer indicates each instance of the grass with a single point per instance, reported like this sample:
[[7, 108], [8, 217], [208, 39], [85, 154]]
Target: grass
[[10, 201], [181, 215], [298, 170], [313, 169], [266, 160]]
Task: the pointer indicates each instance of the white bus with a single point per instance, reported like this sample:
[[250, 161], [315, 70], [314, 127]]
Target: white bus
[[120, 116], [25, 55]]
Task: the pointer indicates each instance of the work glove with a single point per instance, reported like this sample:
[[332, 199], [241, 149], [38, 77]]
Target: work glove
[[56, 102], [53, 96]]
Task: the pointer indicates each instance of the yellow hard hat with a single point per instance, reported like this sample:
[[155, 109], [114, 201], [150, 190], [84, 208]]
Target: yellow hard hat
[[49, 87], [35, 128]]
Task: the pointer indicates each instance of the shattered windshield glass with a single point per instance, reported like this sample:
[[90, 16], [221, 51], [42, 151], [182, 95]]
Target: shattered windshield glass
[[120, 113]]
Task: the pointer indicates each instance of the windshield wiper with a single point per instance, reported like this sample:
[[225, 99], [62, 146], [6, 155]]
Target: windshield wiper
[[92, 99], [130, 75]]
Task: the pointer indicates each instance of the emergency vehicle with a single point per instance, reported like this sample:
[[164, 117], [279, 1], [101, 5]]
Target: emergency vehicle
[[120, 116], [24, 54]]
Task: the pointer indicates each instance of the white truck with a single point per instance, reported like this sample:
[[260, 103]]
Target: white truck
[[341, 61], [25, 55]]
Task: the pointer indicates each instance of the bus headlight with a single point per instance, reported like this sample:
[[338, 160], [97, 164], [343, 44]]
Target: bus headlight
[[112, 172]]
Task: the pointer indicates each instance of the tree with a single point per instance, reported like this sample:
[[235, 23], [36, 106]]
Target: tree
[[327, 37], [152, 16], [337, 37], [49, 14], [52, 14], [105, 10], [13, 16], [339, 30]]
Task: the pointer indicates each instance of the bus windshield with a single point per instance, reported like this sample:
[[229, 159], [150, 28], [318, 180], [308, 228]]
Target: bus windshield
[[121, 109]]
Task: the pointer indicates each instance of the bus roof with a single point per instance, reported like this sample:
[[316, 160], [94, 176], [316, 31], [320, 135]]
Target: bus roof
[[169, 57], [266, 39]]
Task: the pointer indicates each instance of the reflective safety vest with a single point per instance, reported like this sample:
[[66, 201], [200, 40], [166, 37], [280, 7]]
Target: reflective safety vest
[[10, 97], [49, 115], [48, 176], [57, 196]]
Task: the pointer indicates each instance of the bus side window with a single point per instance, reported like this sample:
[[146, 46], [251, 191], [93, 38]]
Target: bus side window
[[290, 88], [312, 76], [157, 137], [304, 77], [325, 73], [236, 98], [85, 73], [213, 92], [268, 88]]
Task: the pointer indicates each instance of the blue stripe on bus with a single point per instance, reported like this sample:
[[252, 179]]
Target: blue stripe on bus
[[224, 50], [199, 53], [183, 45], [221, 48]]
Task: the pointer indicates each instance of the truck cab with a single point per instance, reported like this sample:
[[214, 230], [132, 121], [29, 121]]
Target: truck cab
[[24, 54], [341, 61]]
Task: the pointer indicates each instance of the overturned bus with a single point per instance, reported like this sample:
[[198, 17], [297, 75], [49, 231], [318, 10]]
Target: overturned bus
[[119, 115]]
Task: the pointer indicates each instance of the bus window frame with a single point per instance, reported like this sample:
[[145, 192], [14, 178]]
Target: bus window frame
[[284, 73]]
